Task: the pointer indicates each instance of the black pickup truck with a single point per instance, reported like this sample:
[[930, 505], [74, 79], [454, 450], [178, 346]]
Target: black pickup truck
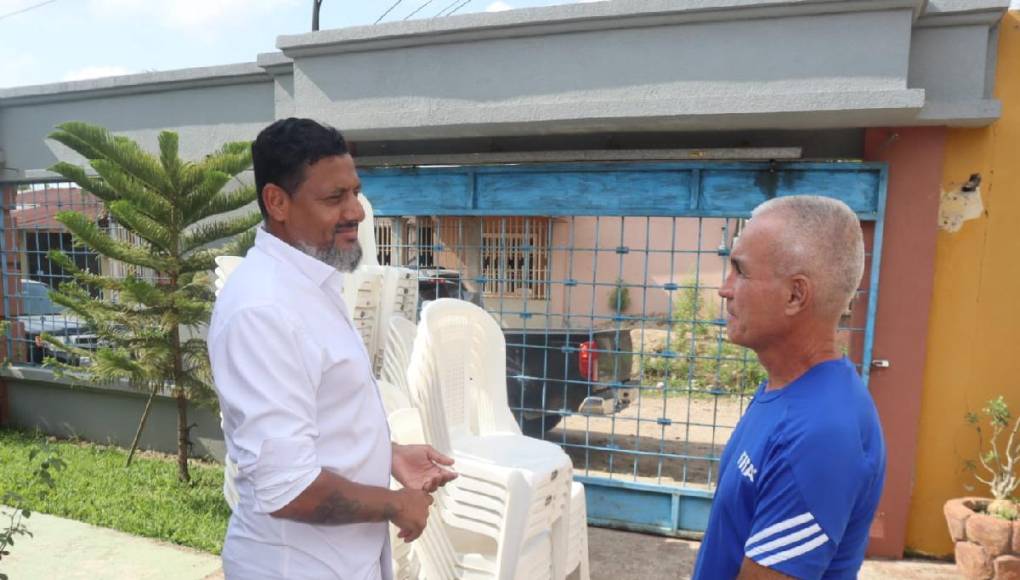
[[551, 372], [555, 372]]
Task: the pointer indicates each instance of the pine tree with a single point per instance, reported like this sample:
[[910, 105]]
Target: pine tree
[[147, 323]]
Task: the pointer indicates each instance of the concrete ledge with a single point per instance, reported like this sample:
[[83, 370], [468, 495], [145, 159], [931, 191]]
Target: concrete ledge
[[803, 110], [275, 63], [106, 413], [967, 114], [962, 13], [583, 156], [565, 19], [233, 74]]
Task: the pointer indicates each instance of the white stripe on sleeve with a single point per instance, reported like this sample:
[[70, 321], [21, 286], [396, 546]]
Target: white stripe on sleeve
[[785, 540], [781, 526], [794, 552]]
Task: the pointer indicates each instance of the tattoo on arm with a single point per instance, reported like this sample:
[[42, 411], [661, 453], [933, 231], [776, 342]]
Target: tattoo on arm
[[336, 509]]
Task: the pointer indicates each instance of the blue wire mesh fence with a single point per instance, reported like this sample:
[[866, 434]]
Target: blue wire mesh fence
[[616, 341]]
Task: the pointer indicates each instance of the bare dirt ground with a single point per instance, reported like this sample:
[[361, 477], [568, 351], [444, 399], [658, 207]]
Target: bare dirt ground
[[683, 437], [616, 555]]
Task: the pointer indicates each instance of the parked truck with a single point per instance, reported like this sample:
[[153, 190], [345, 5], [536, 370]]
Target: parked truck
[[556, 372]]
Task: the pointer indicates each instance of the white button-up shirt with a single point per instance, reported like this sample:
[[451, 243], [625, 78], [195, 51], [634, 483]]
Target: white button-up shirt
[[297, 395]]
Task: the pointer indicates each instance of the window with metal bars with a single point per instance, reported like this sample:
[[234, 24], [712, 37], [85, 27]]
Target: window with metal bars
[[515, 257]]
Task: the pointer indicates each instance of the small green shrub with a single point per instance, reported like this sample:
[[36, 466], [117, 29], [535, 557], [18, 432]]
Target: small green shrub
[[619, 298]]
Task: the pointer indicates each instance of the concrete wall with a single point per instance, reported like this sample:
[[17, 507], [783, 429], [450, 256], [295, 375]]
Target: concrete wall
[[207, 108], [974, 326], [107, 414], [689, 73]]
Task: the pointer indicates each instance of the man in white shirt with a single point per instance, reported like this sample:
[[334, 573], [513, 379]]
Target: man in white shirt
[[302, 416]]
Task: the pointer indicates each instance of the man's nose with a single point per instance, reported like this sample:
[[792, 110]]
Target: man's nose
[[354, 211], [726, 290]]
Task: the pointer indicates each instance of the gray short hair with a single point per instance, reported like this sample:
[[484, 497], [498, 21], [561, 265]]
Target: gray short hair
[[822, 239]]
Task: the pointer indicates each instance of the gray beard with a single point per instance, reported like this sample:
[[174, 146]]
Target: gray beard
[[341, 260]]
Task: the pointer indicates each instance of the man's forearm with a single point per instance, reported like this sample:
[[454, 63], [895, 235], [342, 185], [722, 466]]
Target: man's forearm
[[334, 500]]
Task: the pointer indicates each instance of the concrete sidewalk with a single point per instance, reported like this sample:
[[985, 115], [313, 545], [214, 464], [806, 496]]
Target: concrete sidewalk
[[71, 550]]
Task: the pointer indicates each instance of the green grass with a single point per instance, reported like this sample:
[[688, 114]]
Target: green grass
[[145, 499]]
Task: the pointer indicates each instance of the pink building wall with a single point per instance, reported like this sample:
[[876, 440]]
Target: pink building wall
[[660, 251]]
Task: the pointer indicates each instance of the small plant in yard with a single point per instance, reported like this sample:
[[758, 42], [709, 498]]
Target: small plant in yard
[[171, 217], [999, 462], [619, 297], [12, 517]]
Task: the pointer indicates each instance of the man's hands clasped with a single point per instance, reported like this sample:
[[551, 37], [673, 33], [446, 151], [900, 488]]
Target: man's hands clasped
[[421, 470]]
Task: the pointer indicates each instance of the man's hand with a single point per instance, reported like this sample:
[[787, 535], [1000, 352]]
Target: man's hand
[[420, 467], [412, 513]]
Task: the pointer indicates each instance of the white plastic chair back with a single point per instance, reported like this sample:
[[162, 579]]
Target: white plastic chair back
[[577, 535], [399, 298], [362, 293], [469, 351], [404, 422], [397, 352], [393, 398], [225, 265], [366, 234], [400, 287]]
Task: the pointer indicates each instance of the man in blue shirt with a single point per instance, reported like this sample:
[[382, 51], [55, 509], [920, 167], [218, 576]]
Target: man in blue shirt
[[801, 476]]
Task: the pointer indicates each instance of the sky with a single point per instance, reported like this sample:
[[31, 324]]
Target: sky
[[64, 40]]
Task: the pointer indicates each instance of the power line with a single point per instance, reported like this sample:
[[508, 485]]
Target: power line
[[447, 7], [463, 4], [418, 9], [388, 10], [23, 10]]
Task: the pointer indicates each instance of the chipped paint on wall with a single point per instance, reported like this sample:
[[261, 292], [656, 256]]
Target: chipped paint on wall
[[960, 203]]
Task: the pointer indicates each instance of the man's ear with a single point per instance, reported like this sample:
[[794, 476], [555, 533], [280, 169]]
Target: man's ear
[[277, 202], [800, 293]]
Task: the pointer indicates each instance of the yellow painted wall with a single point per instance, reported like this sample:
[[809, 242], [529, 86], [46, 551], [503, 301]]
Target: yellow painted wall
[[974, 330]]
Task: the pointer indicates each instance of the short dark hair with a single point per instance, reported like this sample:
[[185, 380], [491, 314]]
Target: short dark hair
[[284, 149]]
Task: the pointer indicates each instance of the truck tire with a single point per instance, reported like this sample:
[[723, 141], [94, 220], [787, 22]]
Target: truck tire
[[539, 425]]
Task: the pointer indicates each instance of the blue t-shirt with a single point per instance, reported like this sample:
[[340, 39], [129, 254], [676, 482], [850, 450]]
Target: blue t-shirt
[[799, 481]]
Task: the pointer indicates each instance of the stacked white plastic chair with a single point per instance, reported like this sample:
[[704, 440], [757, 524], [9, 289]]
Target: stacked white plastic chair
[[224, 266], [363, 295], [397, 352], [399, 299], [442, 552], [404, 423], [512, 489], [396, 358]]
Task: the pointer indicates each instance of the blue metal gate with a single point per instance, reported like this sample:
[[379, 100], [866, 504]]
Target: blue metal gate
[[604, 278]]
